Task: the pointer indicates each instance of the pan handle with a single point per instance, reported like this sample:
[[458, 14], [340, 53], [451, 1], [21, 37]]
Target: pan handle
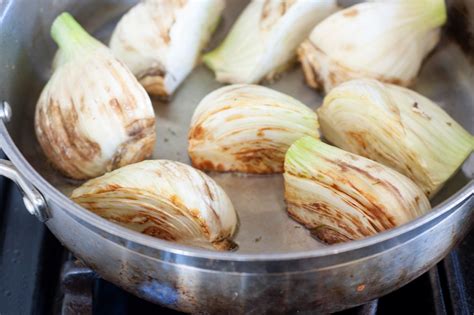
[[34, 201], [32, 198]]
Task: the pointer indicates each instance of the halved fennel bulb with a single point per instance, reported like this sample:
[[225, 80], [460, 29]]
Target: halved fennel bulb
[[92, 116], [398, 128], [165, 199], [263, 40], [385, 40], [341, 196], [161, 40], [247, 128]]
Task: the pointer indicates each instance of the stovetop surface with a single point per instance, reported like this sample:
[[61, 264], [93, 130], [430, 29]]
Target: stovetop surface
[[31, 260]]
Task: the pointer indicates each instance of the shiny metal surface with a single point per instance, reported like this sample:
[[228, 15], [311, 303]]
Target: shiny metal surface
[[34, 201], [5, 111], [279, 267]]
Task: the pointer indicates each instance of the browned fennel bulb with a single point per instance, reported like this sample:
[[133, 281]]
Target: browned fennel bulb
[[92, 116], [398, 128], [341, 196], [165, 199], [247, 128]]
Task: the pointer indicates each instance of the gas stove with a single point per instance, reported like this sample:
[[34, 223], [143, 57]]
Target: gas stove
[[39, 276]]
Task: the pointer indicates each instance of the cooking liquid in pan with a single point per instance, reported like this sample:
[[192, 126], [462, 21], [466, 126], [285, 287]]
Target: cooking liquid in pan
[[259, 199]]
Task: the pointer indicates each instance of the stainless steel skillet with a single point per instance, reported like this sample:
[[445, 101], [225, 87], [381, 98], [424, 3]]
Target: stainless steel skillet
[[279, 267]]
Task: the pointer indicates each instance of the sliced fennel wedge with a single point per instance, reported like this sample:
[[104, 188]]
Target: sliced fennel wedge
[[385, 39], [161, 40], [263, 40], [247, 128], [398, 128], [164, 199], [341, 196]]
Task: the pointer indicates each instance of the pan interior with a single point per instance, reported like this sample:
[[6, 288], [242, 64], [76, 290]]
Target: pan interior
[[447, 78]]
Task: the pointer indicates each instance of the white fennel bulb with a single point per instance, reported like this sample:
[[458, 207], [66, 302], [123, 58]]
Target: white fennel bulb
[[92, 116], [397, 127], [263, 40], [385, 40], [161, 40]]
